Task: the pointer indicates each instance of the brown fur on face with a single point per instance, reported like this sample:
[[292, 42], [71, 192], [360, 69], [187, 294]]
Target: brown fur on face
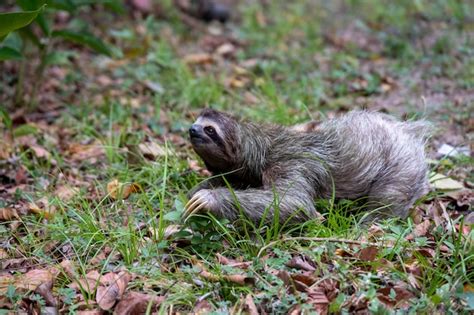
[[218, 148], [284, 169]]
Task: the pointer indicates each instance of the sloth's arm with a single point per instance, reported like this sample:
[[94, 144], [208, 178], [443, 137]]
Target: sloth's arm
[[288, 196]]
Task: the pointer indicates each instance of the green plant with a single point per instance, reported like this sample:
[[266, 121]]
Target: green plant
[[17, 35]]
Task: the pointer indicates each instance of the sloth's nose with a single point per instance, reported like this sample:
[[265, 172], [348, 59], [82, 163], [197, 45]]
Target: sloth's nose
[[194, 130]]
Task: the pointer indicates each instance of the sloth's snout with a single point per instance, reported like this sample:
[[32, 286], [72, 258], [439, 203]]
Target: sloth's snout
[[195, 130]]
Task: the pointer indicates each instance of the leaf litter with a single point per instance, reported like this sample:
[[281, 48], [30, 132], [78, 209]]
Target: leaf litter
[[320, 277]]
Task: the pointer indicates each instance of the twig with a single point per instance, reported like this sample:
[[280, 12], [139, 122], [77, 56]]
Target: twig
[[316, 239]]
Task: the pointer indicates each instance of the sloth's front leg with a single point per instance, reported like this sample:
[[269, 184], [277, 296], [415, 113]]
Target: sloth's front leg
[[255, 204]]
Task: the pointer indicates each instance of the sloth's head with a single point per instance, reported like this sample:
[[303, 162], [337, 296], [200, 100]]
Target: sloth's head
[[214, 136]]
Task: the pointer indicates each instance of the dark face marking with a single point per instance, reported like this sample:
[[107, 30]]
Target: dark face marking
[[213, 137]]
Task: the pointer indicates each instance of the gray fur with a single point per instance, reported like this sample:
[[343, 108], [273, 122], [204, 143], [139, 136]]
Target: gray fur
[[360, 154]]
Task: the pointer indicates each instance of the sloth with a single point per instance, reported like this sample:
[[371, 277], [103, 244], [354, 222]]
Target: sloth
[[263, 170]]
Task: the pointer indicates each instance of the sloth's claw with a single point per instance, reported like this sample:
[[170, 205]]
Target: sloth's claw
[[196, 203]]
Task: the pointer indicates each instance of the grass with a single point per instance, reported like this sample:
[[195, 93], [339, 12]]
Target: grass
[[300, 76]]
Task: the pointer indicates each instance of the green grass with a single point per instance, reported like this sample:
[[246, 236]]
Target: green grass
[[300, 76]]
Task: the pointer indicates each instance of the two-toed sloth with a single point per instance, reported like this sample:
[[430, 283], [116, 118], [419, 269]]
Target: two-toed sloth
[[274, 168]]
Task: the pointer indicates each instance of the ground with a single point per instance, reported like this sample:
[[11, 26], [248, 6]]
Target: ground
[[95, 166]]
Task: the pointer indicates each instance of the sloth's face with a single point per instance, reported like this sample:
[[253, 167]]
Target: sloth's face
[[213, 138]]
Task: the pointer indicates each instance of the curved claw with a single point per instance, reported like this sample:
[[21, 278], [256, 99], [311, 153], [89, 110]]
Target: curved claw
[[195, 204]]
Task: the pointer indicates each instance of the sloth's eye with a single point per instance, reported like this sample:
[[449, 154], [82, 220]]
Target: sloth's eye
[[209, 130]]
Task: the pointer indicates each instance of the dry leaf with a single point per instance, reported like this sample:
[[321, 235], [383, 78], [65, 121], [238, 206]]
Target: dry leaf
[[317, 297], [302, 262], [117, 190], [152, 150], [202, 307], [368, 253], [194, 165], [308, 278], [80, 152], [238, 82], [43, 208], [249, 305], [5, 281], [40, 152], [441, 182], [134, 303], [402, 296], [68, 267], [239, 279], [233, 262], [3, 254], [342, 252], [34, 278], [422, 228], [198, 59], [90, 312], [65, 193], [111, 289], [88, 284], [374, 231], [225, 49], [45, 290], [426, 252], [7, 214], [235, 278]]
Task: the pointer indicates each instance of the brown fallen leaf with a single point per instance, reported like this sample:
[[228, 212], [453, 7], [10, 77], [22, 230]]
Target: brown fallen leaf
[[90, 152], [237, 82], [318, 299], [293, 285], [153, 150], [68, 267], [21, 175], [235, 278], [34, 278], [45, 291], [87, 283], [342, 253], [5, 281], [90, 312], [7, 214], [226, 49], [463, 198], [402, 296], [374, 231], [194, 166], [442, 182], [239, 279], [43, 208], [233, 262], [302, 262], [307, 278], [426, 252], [368, 253], [65, 193], [111, 289], [202, 307], [117, 190], [198, 59], [3, 254], [422, 228], [330, 287], [40, 152], [249, 305], [134, 303]]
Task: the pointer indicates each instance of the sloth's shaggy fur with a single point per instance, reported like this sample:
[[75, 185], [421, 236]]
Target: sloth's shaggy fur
[[360, 154]]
